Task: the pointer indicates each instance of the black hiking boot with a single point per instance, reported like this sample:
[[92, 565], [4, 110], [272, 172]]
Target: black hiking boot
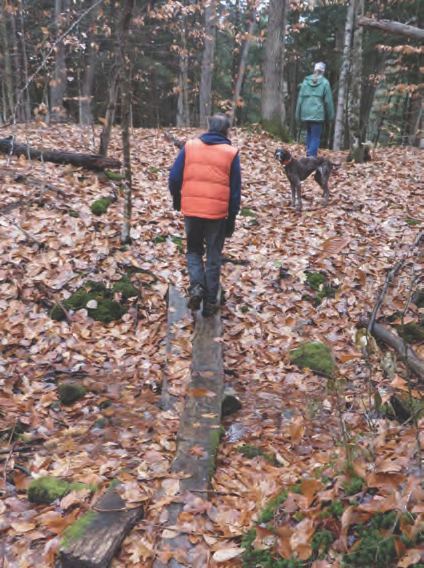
[[195, 298], [210, 309]]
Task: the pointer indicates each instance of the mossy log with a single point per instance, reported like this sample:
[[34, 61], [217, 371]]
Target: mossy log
[[200, 425], [70, 393], [93, 540], [176, 311], [88, 161]]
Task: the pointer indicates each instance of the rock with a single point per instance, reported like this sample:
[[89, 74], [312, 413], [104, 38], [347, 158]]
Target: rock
[[315, 356], [230, 403], [69, 393]]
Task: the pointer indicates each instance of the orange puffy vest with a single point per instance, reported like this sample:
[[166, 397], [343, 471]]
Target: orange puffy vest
[[205, 191]]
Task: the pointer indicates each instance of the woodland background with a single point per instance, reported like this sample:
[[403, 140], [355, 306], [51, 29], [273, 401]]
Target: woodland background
[[183, 60]]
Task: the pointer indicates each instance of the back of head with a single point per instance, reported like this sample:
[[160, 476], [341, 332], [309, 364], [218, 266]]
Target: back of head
[[318, 70], [219, 123]]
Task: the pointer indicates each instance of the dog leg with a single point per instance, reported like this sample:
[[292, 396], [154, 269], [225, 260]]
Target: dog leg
[[299, 196], [326, 194], [293, 192]]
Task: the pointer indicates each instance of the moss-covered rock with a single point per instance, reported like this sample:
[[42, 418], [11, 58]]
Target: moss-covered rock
[[114, 176], [100, 206], [126, 288], [70, 393], [318, 283], [48, 489], [246, 212], [107, 309], [315, 356]]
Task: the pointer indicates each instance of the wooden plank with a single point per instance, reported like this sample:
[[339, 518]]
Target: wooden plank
[[199, 430], [177, 310], [95, 544]]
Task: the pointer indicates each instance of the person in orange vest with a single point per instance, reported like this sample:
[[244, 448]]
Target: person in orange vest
[[205, 183]]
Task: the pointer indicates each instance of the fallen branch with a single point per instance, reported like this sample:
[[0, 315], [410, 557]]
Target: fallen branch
[[89, 161], [392, 27], [178, 143], [396, 343]]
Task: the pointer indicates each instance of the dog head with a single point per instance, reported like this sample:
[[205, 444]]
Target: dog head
[[282, 155]]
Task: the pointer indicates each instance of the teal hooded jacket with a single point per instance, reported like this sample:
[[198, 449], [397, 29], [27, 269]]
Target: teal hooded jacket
[[315, 102]]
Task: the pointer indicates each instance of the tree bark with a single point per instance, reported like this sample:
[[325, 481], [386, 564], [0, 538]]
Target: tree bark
[[242, 65], [341, 98], [85, 115], [273, 112], [8, 79], [205, 89], [355, 143], [120, 44], [183, 115], [89, 161], [25, 92], [59, 82], [392, 27]]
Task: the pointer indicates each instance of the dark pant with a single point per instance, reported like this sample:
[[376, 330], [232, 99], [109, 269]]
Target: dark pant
[[201, 232], [313, 135]]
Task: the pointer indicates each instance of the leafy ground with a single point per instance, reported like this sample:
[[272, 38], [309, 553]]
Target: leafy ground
[[310, 427]]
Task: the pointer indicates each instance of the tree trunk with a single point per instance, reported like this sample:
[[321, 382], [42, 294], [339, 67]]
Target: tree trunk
[[19, 110], [59, 82], [120, 45], [273, 112], [294, 77], [341, 98], [25, 92], [8, 79], [205, 89], [392, 27], [415, 113], [242, 65], [183, 116], [126, 126], [355, 142], [85, 117]]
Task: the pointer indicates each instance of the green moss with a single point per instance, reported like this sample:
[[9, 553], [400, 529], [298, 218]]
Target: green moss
[[47, 489], [126, 288], [275, 127], [413, 332], [179, 242], [246, 212], [107, 309], [335, 511], [114, 176], [418, 298], [114, 483], [244, 309], [315, 356], [215, 436], [322, 542], [77, 529], [73, 213], [154, 170], [412, 221], [354, 484], [269, 511], [100, 206], [249, 451], [160, 239], [316, 282], [70, 393]]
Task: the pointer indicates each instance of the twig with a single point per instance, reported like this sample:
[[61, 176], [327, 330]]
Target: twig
[[15, 224], [7, 460], [389, 278], [408, 379]]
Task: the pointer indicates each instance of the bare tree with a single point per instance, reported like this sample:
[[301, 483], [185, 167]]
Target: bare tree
[[205, 90], [183, 115], [59, 80], [341, 98], [354, 114], [273, 111], [242, 62], [85, 115]]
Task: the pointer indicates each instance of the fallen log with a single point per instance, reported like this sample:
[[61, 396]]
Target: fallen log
[[395, 28], [416, 365], [198, 436], [89, 161], [171, 138], [177, 310], [93, 540]]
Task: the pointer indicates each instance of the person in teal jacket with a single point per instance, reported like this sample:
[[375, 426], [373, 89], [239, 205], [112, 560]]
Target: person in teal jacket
[[314, 106]]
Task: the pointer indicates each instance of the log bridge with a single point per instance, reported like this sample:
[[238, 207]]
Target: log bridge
[[200, 427]]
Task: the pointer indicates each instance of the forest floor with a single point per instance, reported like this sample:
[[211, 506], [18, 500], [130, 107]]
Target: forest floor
[[308, 426]]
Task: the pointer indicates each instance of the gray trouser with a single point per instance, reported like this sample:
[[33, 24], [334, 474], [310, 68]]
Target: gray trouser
[[201, 232]]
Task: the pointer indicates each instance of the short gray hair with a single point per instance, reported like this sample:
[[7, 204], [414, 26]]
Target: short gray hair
[[219, 123]]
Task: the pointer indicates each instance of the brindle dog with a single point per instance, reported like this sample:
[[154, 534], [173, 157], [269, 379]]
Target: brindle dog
[[298, 169]]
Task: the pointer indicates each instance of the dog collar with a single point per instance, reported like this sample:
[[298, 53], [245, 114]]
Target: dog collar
[[285, 164]]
